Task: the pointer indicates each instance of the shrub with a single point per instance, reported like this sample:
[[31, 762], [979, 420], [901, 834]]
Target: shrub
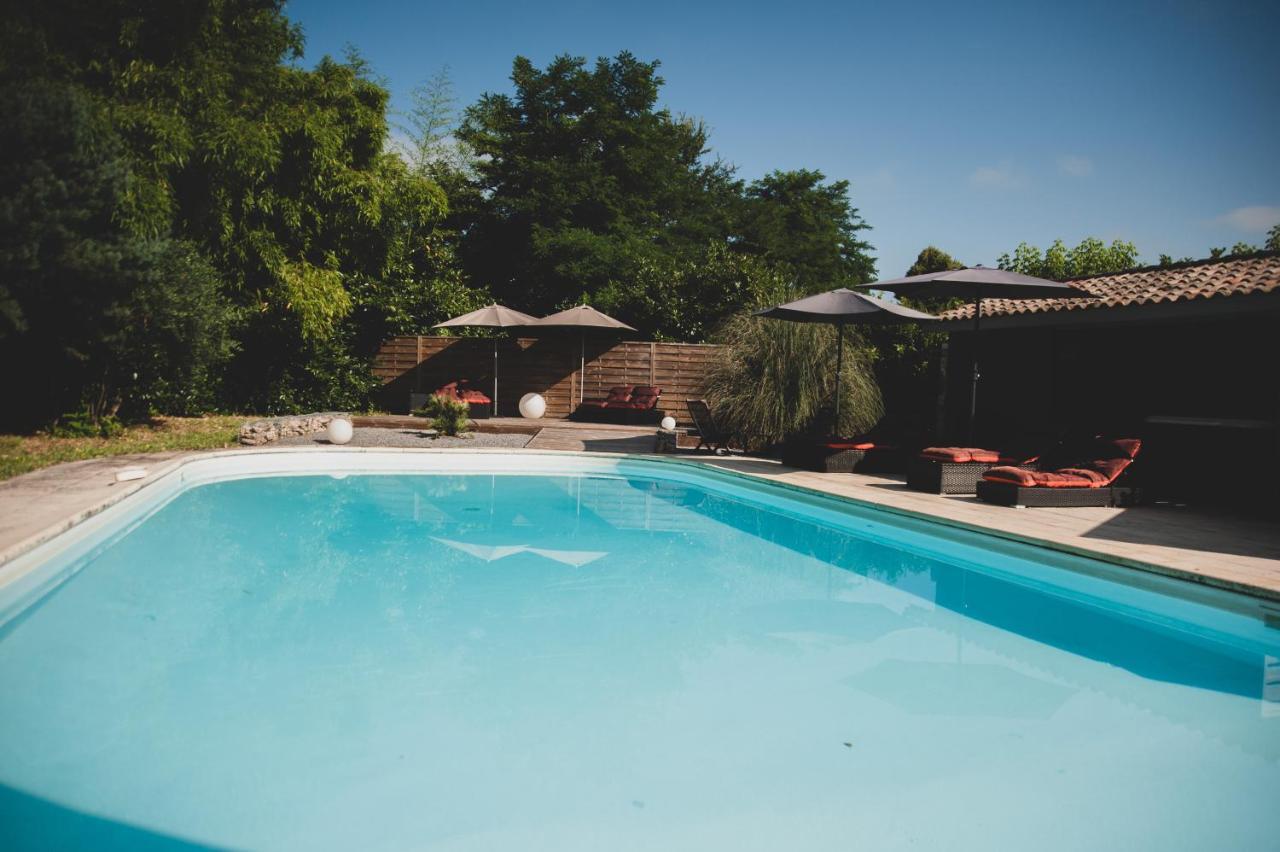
[[449, 416], [777, 380]]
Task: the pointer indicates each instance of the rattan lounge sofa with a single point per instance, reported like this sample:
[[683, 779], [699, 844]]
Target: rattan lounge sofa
[[858, 455], [958, 470], [1104, 479], [631, 404]]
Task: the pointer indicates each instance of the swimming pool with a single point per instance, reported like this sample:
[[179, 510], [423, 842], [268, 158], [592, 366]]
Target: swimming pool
[[492, 651]]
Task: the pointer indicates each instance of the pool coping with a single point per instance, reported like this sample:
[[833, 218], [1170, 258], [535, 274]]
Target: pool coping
[[702, 466]]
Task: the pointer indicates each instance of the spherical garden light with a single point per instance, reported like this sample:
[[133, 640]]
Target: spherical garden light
[[340, 430], [668, 423], [532, 406]]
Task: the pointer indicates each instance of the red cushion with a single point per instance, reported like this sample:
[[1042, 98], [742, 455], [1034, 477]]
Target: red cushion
[[621, 393], [646, 390], [1065, 478], [849, 445], [474, 396], [960, 455], [642, 402], [1128, 446]]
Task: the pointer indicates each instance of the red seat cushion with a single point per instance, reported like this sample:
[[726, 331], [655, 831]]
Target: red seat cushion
[[474, 396], [849, 445], [1064, 478], [643, 402], [646, 390], [960, 455], [621, 393]]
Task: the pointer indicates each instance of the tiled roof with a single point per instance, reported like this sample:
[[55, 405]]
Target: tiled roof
[[1204, 279]]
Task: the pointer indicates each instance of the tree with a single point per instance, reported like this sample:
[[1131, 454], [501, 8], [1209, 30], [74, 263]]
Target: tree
[[1273, 238], [794, 220], [100, 315], [1059, 263], [933, 259], [276, 173], [581, 180], [908, 358]]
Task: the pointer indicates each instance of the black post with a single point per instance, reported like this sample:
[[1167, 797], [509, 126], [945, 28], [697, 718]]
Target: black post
[[835, 429], [973, 390]]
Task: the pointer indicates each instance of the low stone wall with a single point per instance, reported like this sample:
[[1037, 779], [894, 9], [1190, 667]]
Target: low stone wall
[[258, 432]]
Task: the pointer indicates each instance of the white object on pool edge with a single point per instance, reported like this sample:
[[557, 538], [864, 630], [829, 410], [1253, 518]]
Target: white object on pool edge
[[131, 473], [532, 406], [340, 430], [668, 423]]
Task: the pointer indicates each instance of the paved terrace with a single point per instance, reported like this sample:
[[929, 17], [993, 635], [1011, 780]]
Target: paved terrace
[[1212, 548]]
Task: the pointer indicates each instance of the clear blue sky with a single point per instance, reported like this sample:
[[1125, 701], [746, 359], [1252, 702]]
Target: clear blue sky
[[970, 126]]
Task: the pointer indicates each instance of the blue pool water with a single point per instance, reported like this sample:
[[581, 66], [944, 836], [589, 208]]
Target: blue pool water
[[595, 662]]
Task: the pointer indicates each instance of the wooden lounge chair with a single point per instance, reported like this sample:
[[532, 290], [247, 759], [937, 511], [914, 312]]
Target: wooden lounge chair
[[709, 434], [1103, 478]]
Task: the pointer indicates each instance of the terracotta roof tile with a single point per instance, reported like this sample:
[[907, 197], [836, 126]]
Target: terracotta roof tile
[[1207, 279]]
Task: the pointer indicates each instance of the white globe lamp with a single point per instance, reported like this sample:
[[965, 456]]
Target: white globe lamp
[[532, 406], [668, 423], [340, 430]]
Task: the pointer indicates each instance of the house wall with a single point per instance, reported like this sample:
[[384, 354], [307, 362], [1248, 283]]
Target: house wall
[[1129, 378]]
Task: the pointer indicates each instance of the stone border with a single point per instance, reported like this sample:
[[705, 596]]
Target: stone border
[[255, 433]]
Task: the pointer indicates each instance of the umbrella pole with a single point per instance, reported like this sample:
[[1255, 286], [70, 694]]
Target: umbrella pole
[[835, 428], [973, 388], [582, 365], [495, 378]]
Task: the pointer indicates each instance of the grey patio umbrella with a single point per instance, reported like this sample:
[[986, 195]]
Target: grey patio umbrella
[[584, 318], [490, 316], [973, 284], [843, 307]]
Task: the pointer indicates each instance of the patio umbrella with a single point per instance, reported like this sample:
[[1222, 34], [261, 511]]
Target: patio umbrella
[[584, 318], [973, 284], [844, 307], [491, 316]]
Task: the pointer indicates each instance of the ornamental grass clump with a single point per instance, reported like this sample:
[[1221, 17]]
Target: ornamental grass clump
[[777, 381], [449, 416]]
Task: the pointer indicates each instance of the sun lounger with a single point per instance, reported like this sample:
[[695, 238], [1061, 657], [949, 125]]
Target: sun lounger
[[958, 470], [477, 401], [634, 404], [856, 455], [710, 436], [1103, 478]]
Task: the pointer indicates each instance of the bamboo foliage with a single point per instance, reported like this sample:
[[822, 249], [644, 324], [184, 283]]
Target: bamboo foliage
[[777, 380]]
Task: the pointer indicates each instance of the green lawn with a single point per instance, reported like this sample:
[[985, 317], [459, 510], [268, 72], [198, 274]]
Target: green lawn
[[22, 453]]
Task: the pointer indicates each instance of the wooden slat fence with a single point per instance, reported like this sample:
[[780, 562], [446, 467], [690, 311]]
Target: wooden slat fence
[[545, 365]]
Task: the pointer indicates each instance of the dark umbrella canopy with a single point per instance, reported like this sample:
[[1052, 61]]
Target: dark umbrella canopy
[[584, 318], [490, 316], [973, 284], [842, 307], [977, 282], [845, 306]]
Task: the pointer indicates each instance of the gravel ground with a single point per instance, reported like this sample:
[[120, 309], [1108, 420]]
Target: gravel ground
[[409, 438]]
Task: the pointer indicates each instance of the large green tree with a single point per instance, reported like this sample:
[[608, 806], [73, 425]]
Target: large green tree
[[795, 220], [95, 314], [581, 180], [1059, 263], [276, 173]]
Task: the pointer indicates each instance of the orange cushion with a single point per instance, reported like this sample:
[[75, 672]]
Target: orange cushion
[[849, 445], [961, 455], [1065, 478]]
